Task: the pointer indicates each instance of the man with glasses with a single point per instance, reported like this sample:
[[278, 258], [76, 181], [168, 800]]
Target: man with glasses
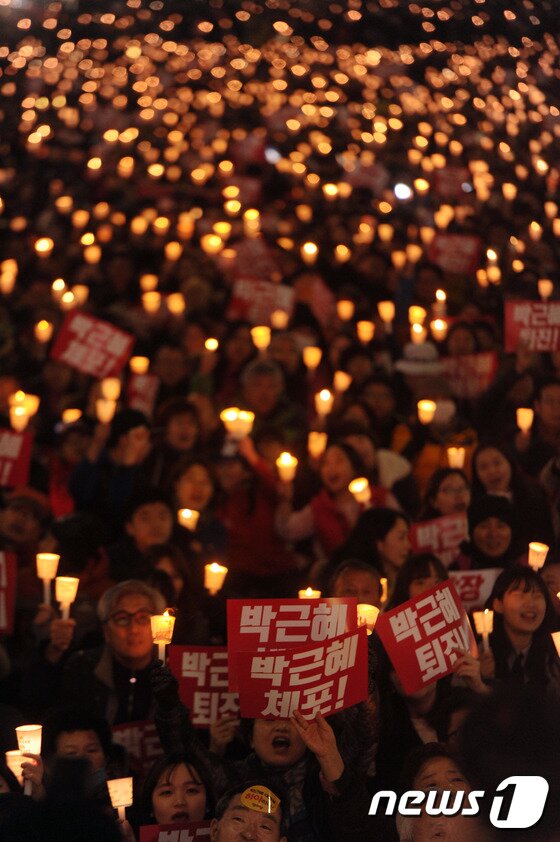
[[113, 682]]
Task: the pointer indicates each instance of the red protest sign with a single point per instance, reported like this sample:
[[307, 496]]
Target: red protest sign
[[470, 374], [317, 678], [141, 741], [189, 832], [7, 592], [421, 636], [254, 259], [202, 673], [474, 586], [456, 253], [260, 625], [15, 456], [441, 536], [532, 324], [92, 346], [448, 181], [142, 392], [256, 300]]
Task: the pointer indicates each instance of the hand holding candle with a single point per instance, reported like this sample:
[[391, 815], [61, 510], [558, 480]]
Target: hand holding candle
[[426, 411], [47, 565], [537, 555], [29, 739], [360, 490], [286, 465], [484, 624], [188, 518], [524, 417], [66, 588], [456, 457], [162, 631], [120, 790], [367, 616], [324, 402]]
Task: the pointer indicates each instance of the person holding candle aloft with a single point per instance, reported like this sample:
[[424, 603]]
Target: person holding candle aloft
[[523, 651]]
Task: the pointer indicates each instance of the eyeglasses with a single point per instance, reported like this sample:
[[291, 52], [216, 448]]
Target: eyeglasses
[[123, 619]]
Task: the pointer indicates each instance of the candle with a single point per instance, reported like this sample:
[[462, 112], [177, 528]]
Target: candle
[[19, 418], [176, 303], [188, 518], [426, 411], [345, 309], [151, 302], [237, 422], [341, 381], [524, 417], [537, 555], [211, 344], [439, 329], [29, 402], [324, 402], [70, 416], [309, 593], [386, 310], [555, 638], [316, 443], [418, 333], [279, 319], [120, 790], [162, 631], [14, 759], [148, 282], [286, 465], [416, 315], [47, 565], [484, 624], [43, 331], [312, 357], [261, 337], [367, 616], [365, 331], [384, 590], [29, 742], [139, 365], [546, 288], [456, 457], [360, 490], [439, 307], [105, 410], [309, 252], [214, 575], [65, 588], [111, 388]]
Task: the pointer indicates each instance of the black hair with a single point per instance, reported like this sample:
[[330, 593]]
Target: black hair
[[68, 720], [352, 565], [167, 763], [372, 526], [416, 567], [351, 454], [516, 483], [545, 384], [429, 510], [173, 407], [144, 497]]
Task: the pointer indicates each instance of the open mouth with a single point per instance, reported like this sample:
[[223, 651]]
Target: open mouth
[[529, 615], [181, 815], [280, 743]]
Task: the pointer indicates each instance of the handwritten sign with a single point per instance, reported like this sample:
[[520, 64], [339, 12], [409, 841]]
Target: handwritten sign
[[92, 346], [534, 325], [422, 636], [15, 456], [7, 592], [474, 586], [202, 673], [262, 625], [320, 678], [190, 832], [441, 536]]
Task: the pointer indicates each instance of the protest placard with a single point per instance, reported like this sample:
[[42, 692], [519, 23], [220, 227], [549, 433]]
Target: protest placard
[[534, 325], [15, 457], [270, 624], [469, 375], [92, 345], [202, 673], [141, 741], [456, 253], [7, 592], [317, 678], [474, 586], [423, 637], [441, 536], [142, 392], [255, 300], [190, 832]]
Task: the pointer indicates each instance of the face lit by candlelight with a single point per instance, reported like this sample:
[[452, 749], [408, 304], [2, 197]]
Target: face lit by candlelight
[[194, 488], [492, 536], [131, 644], [336, 470], [522, 608], [179, 796], [277, 743], [493, 470], [365, 586]]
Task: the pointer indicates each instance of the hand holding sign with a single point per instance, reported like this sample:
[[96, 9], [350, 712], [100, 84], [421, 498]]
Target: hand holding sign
[[222, 733], [319, 738], [468, 667]]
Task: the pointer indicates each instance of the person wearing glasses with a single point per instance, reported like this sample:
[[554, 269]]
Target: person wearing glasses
[[111, 681]]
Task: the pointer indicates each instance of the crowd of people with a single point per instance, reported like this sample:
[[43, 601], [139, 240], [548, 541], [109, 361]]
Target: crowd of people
[[319, 214]]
